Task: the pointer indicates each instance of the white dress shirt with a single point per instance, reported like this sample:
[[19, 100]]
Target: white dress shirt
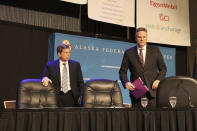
[[61, 72], [143, 51]]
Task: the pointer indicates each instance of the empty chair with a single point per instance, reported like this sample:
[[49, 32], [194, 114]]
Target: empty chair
[[102, 93], [32, 94], [183, 88]]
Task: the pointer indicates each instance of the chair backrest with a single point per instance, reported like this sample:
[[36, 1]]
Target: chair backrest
[[32, 94], [102, 93], [184, 88]]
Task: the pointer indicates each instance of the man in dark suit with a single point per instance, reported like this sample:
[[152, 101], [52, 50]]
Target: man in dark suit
[[66, 77], [143, 61]]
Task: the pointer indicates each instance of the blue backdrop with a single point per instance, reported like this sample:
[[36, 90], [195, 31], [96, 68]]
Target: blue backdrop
[[100, 58]]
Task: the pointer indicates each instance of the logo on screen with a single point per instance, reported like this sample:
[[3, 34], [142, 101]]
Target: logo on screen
[[66, 42]]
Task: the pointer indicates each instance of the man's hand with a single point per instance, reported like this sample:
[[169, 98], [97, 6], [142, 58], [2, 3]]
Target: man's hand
[[130, 86], [155, 84], [45, 81]]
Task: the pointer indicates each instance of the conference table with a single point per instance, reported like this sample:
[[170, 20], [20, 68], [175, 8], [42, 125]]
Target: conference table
[[99, 119]]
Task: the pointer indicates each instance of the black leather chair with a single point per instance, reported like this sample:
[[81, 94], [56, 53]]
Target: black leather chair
[[184, 88], [32, 94], [102, 93]]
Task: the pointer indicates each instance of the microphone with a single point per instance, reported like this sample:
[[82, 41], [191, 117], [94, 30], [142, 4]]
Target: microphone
[[40, 101], [111, 94], [189, 97]]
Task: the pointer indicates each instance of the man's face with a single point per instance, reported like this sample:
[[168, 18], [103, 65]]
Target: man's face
[[141, 38], [64, 55]]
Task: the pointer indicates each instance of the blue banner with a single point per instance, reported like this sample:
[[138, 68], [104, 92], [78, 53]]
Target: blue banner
[[100, 58]]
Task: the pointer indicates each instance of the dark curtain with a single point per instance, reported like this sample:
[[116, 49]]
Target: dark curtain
[[94, 119], [23, 54], [195, 67]]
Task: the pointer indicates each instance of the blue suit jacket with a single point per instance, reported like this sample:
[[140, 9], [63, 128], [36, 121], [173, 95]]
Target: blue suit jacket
[[52, 71]]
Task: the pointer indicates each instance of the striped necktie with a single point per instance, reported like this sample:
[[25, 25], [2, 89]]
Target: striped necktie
[[64, 79], [141, 57]]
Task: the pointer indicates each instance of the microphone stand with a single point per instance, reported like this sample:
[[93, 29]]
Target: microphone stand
[[189, 98]]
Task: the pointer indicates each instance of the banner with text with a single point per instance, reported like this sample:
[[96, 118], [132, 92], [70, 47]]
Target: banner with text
[[76, 1], [100, 58], [167, 21], [120, 12]]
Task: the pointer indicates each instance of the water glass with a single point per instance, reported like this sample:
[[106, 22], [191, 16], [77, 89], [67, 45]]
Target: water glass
[[144, 102], [172, 100]]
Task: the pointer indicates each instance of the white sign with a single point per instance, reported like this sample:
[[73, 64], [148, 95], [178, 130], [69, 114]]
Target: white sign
[[76, 1], [167, 21], [120, 12]]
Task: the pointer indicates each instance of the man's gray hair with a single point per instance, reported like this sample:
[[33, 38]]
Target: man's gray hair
[[141, 29]]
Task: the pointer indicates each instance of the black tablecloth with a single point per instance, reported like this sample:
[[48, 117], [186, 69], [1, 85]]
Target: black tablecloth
[[99, 119]]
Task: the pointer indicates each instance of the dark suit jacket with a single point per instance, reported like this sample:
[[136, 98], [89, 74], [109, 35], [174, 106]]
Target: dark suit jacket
[[52, 71], [154, 67]]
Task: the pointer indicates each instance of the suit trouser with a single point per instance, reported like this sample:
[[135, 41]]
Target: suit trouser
[[66, 99]]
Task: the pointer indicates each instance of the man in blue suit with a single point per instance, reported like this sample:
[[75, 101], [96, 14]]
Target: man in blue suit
[[144, 61], [65, 76]]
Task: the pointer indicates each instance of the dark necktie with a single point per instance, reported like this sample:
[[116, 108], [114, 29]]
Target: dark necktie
[[141, 57], [64, 79]]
